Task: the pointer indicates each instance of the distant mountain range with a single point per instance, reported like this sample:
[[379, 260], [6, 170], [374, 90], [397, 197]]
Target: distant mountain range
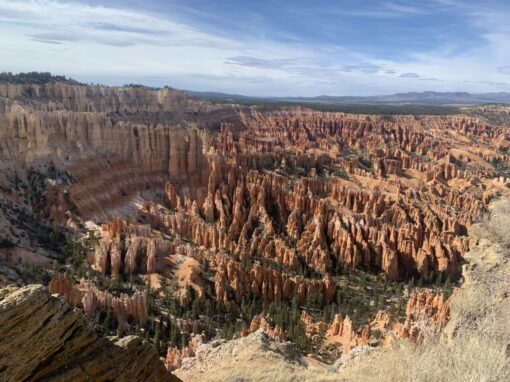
[[427, 98]]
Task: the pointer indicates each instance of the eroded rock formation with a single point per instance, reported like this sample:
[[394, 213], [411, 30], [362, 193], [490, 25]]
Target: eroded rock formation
[[128, 249], [425, 311], [274, 203], [232, 279], [304, 189], [263, 323], [91, 299]]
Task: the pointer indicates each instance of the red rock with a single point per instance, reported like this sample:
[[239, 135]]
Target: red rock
[[263, 323], [87, 296]]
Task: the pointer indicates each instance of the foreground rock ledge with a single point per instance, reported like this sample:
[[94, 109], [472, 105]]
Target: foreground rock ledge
[[43, 338]]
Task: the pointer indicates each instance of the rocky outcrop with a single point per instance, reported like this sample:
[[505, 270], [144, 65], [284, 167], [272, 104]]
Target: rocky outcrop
[[342, 332], [128, 249], [87, 296], [428, 307], [175, 356], [42, 338], [254, 350], [426, 314], [339, 333], [380, 321], [263, 323]]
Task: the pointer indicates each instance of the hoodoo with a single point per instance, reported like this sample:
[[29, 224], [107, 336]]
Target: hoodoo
[[182, 222]]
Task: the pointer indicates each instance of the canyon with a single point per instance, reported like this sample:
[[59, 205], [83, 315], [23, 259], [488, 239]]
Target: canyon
[[183, 221]]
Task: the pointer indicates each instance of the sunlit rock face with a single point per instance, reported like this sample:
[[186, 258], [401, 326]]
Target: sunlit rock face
[[297, 187]]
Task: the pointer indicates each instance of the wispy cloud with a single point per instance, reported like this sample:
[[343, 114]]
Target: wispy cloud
[[409, 75], [404, 9], [204, 51], [363, 68], [259, 62]]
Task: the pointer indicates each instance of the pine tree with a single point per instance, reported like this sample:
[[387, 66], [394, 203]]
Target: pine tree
[[196, 328], [107, 321], [148, 297], [56, 268], [447, 283], [157, 336]]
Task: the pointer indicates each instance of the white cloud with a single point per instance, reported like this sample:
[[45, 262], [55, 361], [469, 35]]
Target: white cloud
[[116, 46]]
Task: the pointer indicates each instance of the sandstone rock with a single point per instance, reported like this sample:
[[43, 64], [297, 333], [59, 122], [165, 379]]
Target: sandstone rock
[[267, 283], [87, 296], [128, 249], [289, 192], [263, 323]]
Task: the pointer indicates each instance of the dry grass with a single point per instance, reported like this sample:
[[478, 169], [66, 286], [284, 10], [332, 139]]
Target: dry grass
[[475, 344], [469, 357], [270, 373], [496, 225]]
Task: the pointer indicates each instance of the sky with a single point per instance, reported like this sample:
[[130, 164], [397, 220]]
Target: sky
[[265, 47]]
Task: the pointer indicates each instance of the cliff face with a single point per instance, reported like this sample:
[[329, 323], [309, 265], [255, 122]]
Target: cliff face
[[101, 99], [109, 145], [300, 188], [44, 339]]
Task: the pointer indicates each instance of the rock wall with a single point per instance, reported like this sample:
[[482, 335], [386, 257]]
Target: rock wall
[[100, 99], [114, 144], [175, 356]]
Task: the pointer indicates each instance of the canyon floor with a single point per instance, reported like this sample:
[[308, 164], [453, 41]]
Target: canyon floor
[[249, 243]]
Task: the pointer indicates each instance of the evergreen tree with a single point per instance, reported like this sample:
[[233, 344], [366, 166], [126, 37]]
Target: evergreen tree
[[56, 268], [107, 321], [195, 308], [157, 336]]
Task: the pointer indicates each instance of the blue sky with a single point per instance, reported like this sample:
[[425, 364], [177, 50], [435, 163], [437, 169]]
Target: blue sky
[[265, 47]]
